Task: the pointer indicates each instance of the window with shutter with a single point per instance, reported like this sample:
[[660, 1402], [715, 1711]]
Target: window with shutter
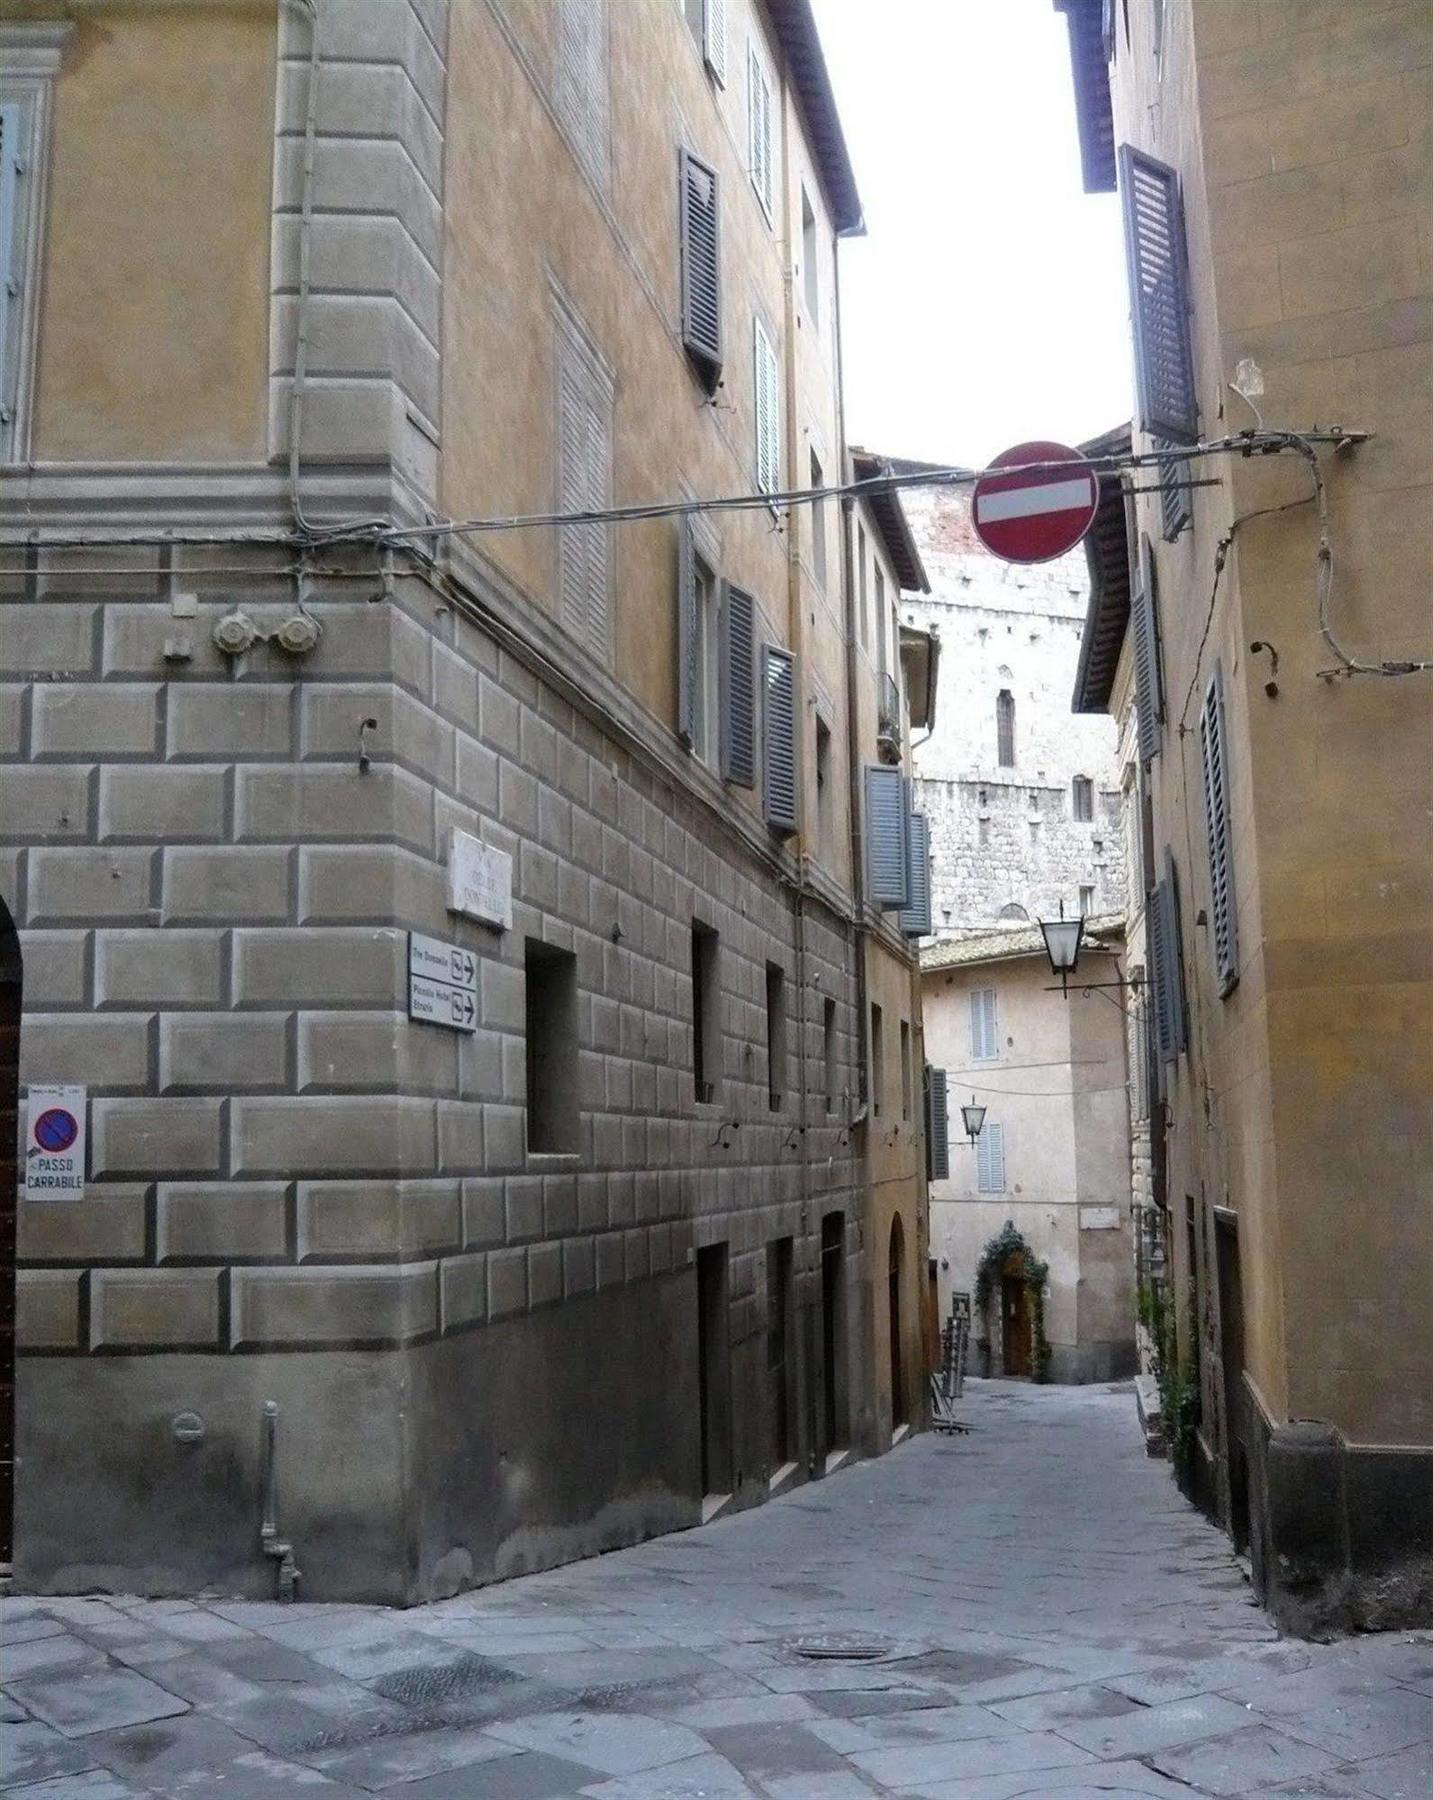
[[714, 38], [1159, 295], [887, 830], [759, 158], [1176, 512], [779, 740], [584, 484], [915, 918], [767, 410], [1082, 799], [24, 140], [10, 290], [738, 687], [990, 1159], [1213, 744], [579, 88], [701, 269], [937, 1125], [1166, 959], [984, 1030], [1148, 673]]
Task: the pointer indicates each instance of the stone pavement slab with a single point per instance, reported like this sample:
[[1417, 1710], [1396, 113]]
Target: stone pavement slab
[[1029, 1611]]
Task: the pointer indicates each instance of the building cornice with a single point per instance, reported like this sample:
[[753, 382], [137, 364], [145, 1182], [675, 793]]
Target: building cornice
[[33, 49]]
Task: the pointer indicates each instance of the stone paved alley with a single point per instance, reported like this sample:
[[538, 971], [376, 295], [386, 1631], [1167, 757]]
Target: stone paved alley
[[1051, 1618]]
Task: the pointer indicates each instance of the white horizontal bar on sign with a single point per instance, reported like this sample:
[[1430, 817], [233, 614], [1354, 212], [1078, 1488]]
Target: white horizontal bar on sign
[[1024, 503]]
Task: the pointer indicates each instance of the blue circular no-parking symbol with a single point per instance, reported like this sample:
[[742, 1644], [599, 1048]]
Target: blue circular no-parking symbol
[[56, 1129]]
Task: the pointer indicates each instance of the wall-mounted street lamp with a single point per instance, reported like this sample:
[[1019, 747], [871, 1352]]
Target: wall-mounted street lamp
[[1064, 939], [973, 1118]]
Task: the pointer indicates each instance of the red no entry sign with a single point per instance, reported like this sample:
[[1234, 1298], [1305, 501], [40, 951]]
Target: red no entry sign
[[1040, 513]]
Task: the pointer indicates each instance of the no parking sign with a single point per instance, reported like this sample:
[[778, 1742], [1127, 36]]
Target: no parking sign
[[55, 1144]]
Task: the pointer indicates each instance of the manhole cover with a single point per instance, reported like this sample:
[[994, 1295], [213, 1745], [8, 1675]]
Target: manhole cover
[[842, 1646]]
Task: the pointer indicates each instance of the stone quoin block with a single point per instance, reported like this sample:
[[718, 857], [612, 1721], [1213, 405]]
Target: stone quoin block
[[366, 1050], [154, 1137], [45, 802], [221, 1221], [228, 882], [107, 1225], [90, 884], [229, 1052], [463, 1290], [164, 804], [321, 966], [95, 1052], [47, 1309], [378, 1133], [544, 1274], [327, 800], [483, 1215], [135, 636], [12, 717], [159, 968], [507, 1282], [46, 639], [112, 719], [252, 720], [362, 1304], [579, 1266], [56, 968], [132, 1308]]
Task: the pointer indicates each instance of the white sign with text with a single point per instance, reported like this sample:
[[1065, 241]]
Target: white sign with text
[[479, 880], [55, 1143]]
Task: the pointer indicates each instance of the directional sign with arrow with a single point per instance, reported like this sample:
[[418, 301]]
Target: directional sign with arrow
[[442, 983]]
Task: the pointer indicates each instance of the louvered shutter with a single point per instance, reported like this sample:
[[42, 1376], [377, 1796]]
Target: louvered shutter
[[984, 1042], [583, 485], [738, 687], [937, 1125], [714, 38], [1162, 912], [915, 917], [1213, 743], [990, 1159], [1148, 677], [759, 124], [779, 740], [1176, 514], [767, 408], [701, 267], [1159, 295], [580, 82], [688, 625], [887, 831]]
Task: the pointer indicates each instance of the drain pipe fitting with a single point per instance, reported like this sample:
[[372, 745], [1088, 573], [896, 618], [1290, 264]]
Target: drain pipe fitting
[[286, 1570]]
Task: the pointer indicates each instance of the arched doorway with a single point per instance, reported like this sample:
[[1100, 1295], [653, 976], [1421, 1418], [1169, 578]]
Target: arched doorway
[[10, 997], [894, 1313]]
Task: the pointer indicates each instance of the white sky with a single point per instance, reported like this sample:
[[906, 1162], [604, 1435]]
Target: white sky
[[987, 303]]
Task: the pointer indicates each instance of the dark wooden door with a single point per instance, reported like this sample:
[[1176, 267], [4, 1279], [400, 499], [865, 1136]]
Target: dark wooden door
[[1015, 1324], [1231, 1357]]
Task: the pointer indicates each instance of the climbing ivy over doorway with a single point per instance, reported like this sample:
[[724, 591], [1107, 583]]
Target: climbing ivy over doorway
[[1006, 1243]]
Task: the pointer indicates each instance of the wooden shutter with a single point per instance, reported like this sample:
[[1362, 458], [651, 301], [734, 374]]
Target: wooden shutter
[[701, 268], [1162, 915], [1175, 511], [579, 94], [937, 1125], [1159, 295], [688, 626], [990, 1159], [1148, 677], [767, 410], [984, 1035], [887, 827], [584, 480], [1213, 743], [759, 126], [738, 687], [915, 917], [779, 740], [714, 38]]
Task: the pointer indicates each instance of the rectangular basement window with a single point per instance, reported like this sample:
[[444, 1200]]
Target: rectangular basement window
[[878, 1061], [775, 1035], [553, 1119], [706, 1011]]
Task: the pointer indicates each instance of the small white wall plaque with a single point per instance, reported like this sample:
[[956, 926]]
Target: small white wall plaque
[[55, 1143], [479, 880], [1099, 1218]]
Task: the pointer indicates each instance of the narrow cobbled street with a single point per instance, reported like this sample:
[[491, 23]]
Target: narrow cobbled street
[[1030, 1609]]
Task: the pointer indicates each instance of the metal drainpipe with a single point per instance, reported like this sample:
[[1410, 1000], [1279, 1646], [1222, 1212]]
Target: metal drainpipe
[[286, 1570], [854, 777]]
